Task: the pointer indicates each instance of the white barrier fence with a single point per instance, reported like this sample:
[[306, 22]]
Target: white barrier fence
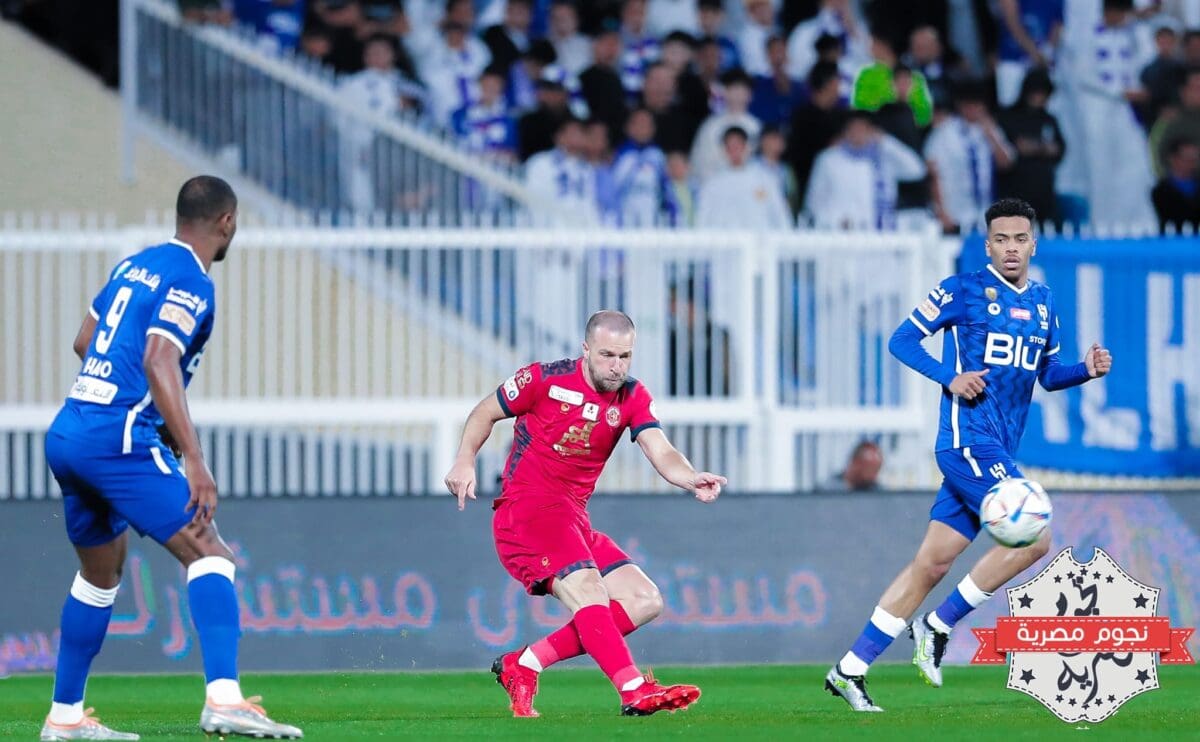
[[344, 360], [281, 130]]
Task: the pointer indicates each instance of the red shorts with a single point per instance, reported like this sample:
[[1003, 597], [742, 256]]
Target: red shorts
[[539, 540]]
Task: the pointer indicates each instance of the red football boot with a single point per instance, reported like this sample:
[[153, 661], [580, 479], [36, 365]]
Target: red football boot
[[518, 681], [650, 697]]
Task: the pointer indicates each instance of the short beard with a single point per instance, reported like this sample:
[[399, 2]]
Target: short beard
[[602, 384]]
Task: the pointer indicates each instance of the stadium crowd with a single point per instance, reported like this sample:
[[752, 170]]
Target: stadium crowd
[[841, 113]]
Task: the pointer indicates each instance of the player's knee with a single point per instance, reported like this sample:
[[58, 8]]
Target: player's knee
[[933, 570], [648, 602], [1039, 549], [195, 542]]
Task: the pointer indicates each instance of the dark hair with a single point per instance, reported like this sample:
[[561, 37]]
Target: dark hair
[[820, 75], [1188, 74], [204, 198], [1178, 143], [682, 37], [494, 70], [1010, 207], [710, 5], [1191, 33], [736, 76], [541, 50], [735, 131], [1165, 29], [1118, 4], [380, 37], [610, 319], [827, 42]]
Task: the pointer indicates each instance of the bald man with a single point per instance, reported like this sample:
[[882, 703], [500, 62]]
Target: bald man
[[569, 416]]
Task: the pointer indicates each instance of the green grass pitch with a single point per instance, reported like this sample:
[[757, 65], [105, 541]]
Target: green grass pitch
[[740, 703]]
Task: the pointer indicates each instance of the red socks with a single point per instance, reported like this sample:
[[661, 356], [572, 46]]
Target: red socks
[[564, 643], [600, 637]]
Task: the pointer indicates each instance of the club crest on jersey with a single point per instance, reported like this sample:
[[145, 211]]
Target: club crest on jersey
[[565, 395], [613, 416], [993, 309], [990, 293], [591, 411], [179, 317], [1019, 313]]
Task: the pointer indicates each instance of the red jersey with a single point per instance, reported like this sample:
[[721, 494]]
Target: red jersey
[[565, 430]]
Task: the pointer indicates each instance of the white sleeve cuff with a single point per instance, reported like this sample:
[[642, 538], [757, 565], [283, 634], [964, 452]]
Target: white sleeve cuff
[[167, 334], [920, 326], [1054, 350], [93, 313]]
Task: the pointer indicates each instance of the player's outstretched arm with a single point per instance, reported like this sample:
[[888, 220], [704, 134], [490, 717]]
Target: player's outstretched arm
[[674, 467], [163, 372], [461, 478], [1055, 375], [83, 338]]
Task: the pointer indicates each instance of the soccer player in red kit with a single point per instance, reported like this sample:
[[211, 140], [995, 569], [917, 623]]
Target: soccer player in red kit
[[570, 415]]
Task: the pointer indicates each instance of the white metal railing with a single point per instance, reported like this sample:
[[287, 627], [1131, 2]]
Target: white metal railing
[[765, 350], [277, 125]]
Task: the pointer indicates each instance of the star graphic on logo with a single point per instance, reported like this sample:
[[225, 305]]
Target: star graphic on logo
[[1140, 600], [1058, 578], [1070, 575], [1058, 698], [1143, 676], [1026, 676], [1095, 575], [1025, 601], [1110, 579], [1071, 701], [1112, 699]]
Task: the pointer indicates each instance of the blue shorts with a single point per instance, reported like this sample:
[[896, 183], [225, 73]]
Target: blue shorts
[[968, 473], [105, 492]]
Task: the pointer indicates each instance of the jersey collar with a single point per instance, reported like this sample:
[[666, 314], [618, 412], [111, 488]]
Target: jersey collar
[[190, 249], [1006, 282]]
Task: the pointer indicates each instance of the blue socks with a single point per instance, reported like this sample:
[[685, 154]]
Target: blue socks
[[214, 605], [965, 598], [84, 623], [876, 636]]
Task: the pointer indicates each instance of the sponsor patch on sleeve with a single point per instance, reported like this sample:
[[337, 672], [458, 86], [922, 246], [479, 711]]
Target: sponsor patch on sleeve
[[510, 388], [929, 310], [653, 412], [179, 317]]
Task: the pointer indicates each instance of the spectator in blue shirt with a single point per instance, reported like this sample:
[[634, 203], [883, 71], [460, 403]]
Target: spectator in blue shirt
[[777, 94]]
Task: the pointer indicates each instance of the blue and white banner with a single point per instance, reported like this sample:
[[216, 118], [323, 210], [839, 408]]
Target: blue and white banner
[[1141, 299]]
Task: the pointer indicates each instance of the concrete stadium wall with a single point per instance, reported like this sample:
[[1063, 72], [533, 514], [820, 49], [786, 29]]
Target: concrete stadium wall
[[410, 583]]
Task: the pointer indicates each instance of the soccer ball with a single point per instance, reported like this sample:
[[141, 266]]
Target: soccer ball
[[1015, 512]]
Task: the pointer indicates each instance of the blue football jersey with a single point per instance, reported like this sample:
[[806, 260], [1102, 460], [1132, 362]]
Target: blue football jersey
[[162, 290], [990, 324]]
